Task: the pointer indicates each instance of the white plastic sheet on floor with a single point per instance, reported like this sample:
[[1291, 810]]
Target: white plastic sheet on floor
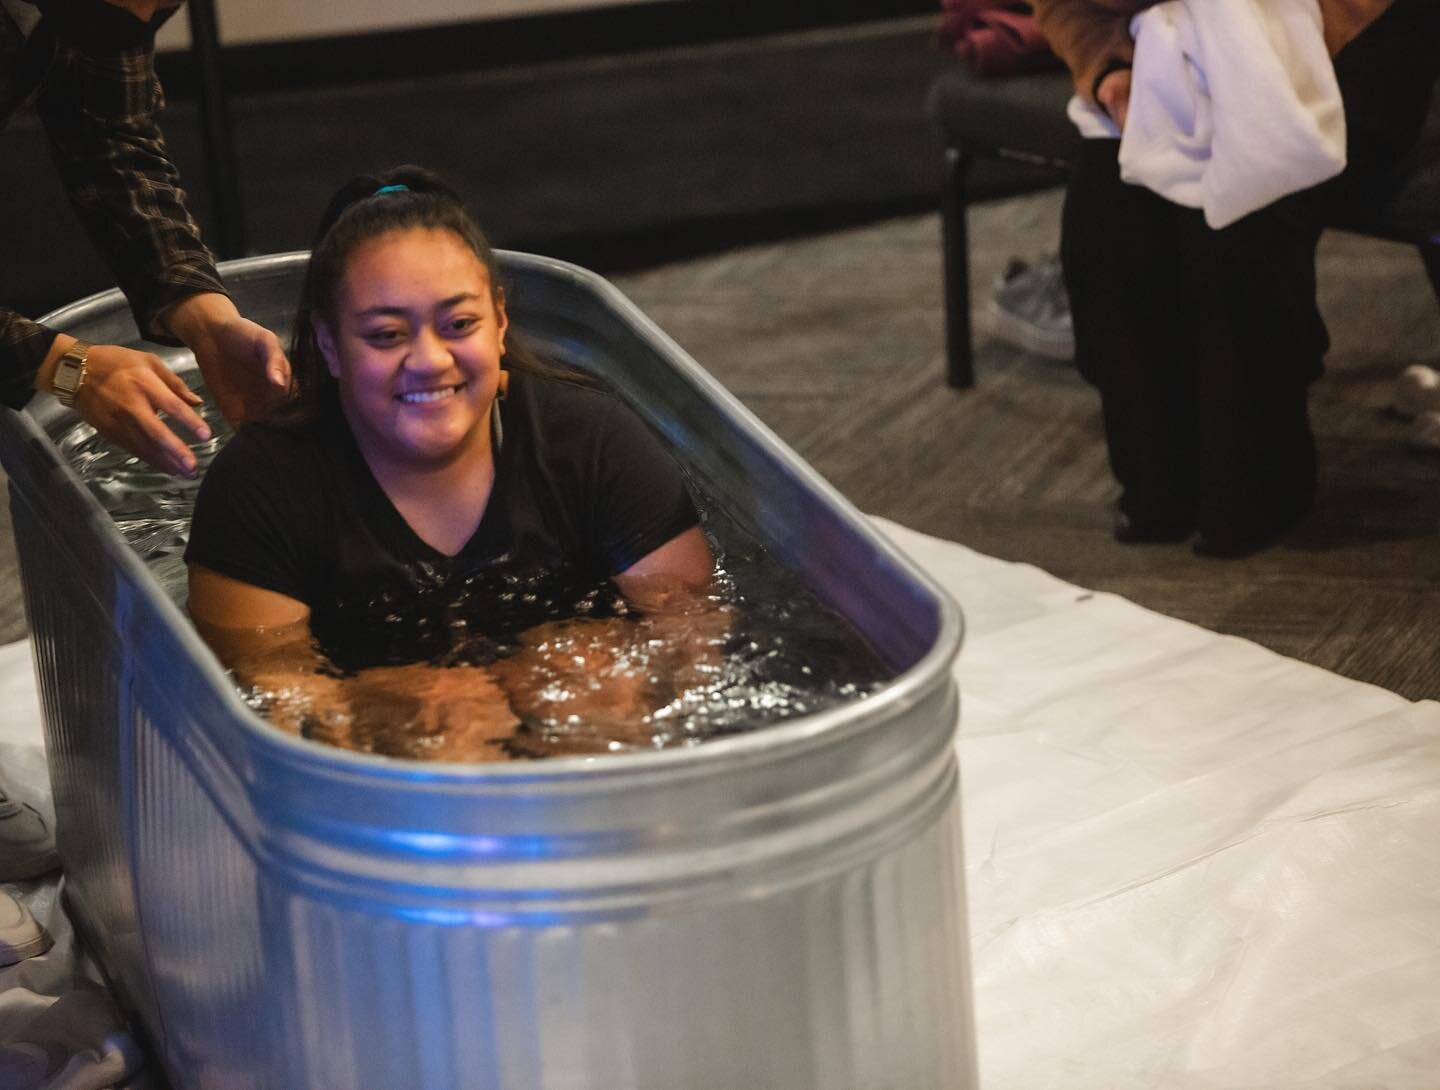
[[1192, 863]]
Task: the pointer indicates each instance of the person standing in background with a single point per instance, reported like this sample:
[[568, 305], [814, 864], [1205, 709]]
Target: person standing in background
[[1203, 342]]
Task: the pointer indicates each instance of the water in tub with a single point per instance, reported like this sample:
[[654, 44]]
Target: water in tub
[[566, 668]]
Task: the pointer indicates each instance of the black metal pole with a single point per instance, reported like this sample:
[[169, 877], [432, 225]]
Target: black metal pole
[[955, 248], [221, 170]]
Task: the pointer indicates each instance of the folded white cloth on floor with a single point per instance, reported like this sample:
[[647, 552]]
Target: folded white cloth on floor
[[1233, 105]]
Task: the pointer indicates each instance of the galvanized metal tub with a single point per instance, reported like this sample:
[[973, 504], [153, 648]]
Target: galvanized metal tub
[[781, 910]]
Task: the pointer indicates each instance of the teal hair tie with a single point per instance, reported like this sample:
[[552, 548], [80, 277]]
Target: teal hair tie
[[391, 189]]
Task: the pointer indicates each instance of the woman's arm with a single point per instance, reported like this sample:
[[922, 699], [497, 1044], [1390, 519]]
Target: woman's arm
[[684, 563], [416, 711], [584, 686], [230, 606], [264, 638], [682, 617]]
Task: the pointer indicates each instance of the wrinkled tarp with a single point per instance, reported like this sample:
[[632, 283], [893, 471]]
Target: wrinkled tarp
[[1192, 863]]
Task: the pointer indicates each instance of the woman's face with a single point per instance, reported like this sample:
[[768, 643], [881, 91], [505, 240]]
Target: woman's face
[[415, 345]]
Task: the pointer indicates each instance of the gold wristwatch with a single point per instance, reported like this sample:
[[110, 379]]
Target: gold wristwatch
[[70, 373]]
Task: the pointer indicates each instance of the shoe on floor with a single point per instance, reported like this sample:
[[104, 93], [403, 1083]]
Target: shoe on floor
[[1031, 309], [1236, 541], [27, 850], [21, 935]]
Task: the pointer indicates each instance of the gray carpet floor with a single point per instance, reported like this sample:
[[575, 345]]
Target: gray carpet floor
[[836, 342]]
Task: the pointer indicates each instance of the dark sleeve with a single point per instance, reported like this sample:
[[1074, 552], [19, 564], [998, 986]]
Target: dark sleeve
[[251, 517], [23, 345], [99, 111], [639, 499]]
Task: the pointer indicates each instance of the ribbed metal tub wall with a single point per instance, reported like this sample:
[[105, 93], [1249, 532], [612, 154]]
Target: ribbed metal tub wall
[[775, 911]]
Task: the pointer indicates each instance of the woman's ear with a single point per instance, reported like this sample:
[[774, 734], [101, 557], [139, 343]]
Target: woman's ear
[[502, 322], [325, 341]]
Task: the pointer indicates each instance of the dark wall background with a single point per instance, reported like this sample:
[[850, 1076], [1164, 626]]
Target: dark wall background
[[615, 138]]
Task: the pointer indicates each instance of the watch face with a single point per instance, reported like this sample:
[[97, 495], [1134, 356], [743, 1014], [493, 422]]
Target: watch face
[[69, 373]]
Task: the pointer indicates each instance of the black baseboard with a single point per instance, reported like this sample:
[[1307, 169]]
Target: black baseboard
[[499, 43]]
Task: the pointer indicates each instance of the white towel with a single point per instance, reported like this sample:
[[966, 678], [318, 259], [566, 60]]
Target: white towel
[[1233, 105]]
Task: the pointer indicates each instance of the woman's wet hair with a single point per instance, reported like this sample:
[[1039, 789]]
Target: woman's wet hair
[[365, 207]]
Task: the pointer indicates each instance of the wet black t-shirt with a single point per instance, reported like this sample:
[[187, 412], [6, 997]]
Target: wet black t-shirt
[[582, 491]]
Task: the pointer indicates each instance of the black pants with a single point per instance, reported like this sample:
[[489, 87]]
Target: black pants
[[1203, 343]]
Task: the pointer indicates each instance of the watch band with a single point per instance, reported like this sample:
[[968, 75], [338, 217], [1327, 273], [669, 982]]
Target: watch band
[[70, 373]]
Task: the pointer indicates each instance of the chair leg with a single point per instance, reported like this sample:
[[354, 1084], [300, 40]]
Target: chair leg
[[955, 244]]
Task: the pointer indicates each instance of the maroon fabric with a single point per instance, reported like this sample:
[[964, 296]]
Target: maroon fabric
[[995, 37]]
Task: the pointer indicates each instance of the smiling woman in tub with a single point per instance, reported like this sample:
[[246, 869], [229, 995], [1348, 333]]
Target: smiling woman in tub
[[384, 558]]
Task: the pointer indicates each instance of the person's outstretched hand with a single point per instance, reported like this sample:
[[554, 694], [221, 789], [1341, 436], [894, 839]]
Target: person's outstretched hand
[[121, 397], [242, 362]]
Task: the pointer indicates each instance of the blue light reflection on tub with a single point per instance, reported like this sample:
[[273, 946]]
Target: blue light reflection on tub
[[535, 907], [460, 847], [444, 917]]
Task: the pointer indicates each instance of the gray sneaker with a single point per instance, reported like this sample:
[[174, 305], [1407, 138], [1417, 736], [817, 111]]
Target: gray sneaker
[[21, 936], [1031, 309], [27, 850]]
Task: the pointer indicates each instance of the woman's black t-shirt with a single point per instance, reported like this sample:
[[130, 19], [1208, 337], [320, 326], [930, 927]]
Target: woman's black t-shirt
[[582, 491]]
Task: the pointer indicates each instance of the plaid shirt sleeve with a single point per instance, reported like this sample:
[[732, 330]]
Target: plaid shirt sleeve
[[23, 345], [99, 114]]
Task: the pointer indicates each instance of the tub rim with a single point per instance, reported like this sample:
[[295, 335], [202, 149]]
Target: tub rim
[[813, 730]]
